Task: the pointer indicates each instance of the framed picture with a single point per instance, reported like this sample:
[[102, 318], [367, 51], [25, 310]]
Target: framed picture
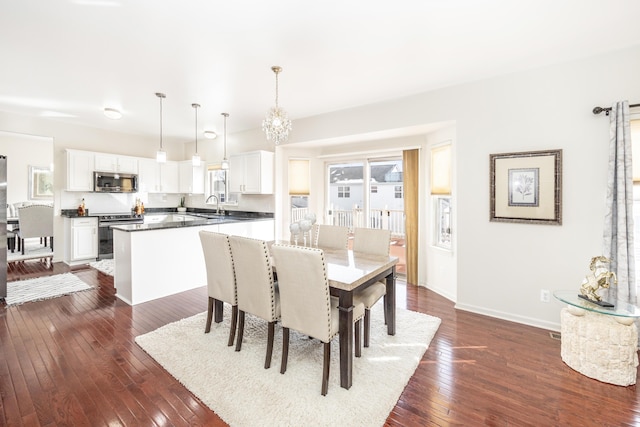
[[40, 183], [526, 187]]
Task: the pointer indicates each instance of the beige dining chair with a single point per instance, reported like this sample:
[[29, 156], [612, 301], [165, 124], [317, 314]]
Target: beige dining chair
[[332, 236], [35, 221], [374, 242], [221, 280], [257, 289], [307, 306]]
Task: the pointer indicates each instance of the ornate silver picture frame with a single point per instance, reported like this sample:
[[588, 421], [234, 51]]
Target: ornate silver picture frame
[[526, 187]]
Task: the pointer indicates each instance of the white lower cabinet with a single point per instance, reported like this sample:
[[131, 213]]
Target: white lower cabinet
[[82, 240]]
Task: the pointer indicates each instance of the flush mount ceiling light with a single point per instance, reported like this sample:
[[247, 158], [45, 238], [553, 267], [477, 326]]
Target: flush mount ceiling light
[[196, 157], [225, 161], [161, 155], [276, 125], [112, 113], [209, 134]]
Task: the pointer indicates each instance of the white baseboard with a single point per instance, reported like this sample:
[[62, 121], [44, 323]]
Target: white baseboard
[[552, 326]]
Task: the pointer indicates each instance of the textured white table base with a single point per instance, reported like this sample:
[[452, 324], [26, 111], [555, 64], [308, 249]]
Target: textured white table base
[[597, 346]]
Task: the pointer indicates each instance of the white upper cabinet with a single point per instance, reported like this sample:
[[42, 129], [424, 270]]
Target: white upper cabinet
[[251, 173], [191, 177], [157, 177], [148, 176], [169, 177], [80, 169], [115, 163]]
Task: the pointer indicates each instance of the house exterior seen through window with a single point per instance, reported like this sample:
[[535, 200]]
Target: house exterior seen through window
[[398, 191], [344, 192]]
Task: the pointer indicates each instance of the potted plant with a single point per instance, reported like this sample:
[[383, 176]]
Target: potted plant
[[181, 206]]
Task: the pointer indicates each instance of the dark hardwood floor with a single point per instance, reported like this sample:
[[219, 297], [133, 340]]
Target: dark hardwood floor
[[72, 361]]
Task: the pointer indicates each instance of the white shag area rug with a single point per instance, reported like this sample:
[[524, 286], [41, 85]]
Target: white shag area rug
[[33, 249], [42, 288], [107, 266], [236, 386]]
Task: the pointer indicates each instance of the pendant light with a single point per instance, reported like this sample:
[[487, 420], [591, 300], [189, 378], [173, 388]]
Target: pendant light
[[161, 155], [196, 157], [225, 161], [276, 125]]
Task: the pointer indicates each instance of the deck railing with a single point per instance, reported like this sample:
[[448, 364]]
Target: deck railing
[[379, 218]]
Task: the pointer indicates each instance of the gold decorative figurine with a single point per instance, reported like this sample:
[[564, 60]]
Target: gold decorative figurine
[[599, 277]]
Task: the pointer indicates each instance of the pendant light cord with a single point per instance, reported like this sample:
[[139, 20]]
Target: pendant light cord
[[225, 134], [195, 106], [277, 89], [160, 95], [161, 122]]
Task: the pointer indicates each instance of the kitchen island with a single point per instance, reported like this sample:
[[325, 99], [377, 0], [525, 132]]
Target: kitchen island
[[157, 259]]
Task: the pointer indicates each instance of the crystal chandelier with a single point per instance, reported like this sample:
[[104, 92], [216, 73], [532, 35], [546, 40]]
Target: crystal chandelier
[[161, 155], [195, 160], [276, 125]]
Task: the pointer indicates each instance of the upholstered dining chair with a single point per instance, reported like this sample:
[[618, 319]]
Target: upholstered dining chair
[[374, 242], [332, 236], [35, 221], [257, 289], [221, 279], [307, 305]]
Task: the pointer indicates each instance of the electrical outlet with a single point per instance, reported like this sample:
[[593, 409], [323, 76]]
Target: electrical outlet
[[544, 295]]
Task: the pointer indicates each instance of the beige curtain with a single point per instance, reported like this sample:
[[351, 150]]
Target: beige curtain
[[411, 168]]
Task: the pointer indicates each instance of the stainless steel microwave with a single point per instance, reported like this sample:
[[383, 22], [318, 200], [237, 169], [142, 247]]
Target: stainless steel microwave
[[112, 182]]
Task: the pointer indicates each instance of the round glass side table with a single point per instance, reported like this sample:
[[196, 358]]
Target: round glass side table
[[599, 342]]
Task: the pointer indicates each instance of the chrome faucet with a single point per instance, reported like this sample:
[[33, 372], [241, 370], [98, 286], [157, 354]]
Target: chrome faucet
[[217, 203]]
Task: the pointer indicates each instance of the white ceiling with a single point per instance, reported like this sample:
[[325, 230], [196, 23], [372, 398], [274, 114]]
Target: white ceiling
[[72, 58]]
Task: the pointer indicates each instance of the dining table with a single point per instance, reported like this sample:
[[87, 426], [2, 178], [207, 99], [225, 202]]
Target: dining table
[[348, 272]]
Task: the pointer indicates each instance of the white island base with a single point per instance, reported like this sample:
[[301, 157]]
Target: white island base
[[152, 263]]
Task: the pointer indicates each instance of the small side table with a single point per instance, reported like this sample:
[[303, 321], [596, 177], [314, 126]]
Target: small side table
[[599, 342]]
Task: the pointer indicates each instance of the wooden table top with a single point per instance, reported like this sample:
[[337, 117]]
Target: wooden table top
[[347, 269]]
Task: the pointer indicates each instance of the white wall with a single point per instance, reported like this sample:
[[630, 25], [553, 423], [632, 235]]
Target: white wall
[[81, 138], [501, 267], [23, 151], [439, 266]]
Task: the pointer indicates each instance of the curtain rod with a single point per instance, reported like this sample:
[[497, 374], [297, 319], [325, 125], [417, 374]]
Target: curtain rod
[[598, 110]]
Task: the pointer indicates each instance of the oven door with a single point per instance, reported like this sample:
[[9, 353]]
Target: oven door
[[105, 240], [105, 235]]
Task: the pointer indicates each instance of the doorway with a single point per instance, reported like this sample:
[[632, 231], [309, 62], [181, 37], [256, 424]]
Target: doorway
[[29, 181], [369, 193]]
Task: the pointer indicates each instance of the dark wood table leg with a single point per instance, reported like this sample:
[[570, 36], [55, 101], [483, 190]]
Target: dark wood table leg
[[345, 308], [390, 299], [218, 307]]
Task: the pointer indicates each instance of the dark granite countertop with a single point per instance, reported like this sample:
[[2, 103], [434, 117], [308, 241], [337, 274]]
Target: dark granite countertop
[[207, 218], [205, 213], [73, 213]]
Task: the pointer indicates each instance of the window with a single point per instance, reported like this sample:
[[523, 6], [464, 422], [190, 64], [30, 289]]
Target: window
[[442, 235], [374, 189], [344, 192], [216, 184], [398, 191], [441, 169], [299, 178]]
